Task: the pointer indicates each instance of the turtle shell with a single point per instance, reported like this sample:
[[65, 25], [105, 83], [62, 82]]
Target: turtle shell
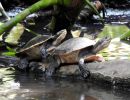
[[73, 44], [34, 42]]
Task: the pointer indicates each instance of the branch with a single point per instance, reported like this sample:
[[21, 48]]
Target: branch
[[21, 16]]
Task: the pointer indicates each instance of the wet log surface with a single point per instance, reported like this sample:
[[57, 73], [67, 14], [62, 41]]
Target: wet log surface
[[114, 73]]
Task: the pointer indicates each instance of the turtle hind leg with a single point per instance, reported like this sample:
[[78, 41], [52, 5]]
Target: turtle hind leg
[[84, 70], [37, 67], [53, 64]]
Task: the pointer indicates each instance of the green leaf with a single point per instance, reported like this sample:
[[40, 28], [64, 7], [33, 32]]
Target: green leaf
[[15, 34], [125, 35], [8, 53], [10, 49]]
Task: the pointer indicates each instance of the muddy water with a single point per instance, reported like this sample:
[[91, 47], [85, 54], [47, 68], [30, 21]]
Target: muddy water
[[31, 87]]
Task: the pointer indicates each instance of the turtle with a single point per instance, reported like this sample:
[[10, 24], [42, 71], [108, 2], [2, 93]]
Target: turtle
[[76, 50], [35, 49]]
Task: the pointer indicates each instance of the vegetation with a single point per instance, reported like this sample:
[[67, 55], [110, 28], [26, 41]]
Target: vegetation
[[35, 7]]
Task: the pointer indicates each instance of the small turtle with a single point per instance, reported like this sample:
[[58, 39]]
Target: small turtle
[[36, 47], [76, 50]]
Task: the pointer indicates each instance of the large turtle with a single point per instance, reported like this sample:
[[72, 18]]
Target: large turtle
[[75, 50], [36, 47]]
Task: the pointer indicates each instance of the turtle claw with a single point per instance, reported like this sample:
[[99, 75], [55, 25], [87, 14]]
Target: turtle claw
[[86, 74], [23, 64], [49, 72], [33, 65]]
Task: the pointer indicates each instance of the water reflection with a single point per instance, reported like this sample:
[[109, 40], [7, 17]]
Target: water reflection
[[117, 50], [120, 12], [30, 87]]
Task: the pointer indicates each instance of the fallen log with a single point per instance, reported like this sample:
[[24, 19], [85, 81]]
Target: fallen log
[[115, 73]]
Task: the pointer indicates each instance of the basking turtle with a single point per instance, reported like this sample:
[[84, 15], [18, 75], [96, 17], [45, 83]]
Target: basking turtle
[[76, 50], [36, 47]]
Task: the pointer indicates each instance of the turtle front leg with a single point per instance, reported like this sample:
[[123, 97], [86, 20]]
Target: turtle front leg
[[84, 70], [53, 64]]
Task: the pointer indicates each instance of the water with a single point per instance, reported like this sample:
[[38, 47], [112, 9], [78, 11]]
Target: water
[[121, 12], [30, 87], [117, 22], [118, 18], [117, 50]]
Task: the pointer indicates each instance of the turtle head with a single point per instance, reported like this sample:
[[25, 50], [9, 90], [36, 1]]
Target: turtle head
[[59, 37], [101, 44]]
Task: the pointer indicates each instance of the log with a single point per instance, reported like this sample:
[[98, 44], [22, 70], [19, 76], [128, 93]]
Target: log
[[115, 73]]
